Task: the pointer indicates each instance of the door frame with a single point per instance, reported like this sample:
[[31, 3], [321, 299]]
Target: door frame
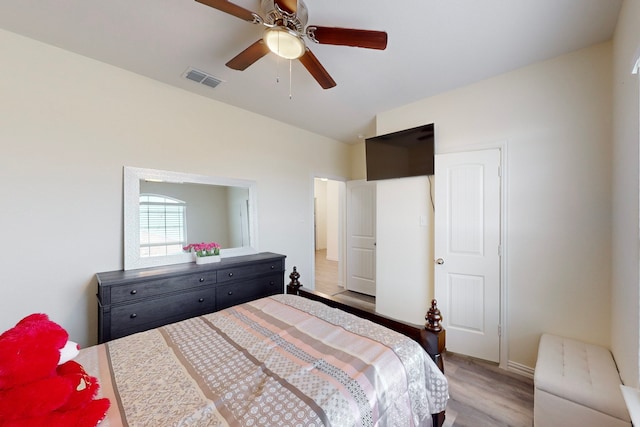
[[342, 227], [504, 252]]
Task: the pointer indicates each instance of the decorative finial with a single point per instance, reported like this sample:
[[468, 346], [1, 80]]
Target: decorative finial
[[434, 318], [294, 276], [294, 285]]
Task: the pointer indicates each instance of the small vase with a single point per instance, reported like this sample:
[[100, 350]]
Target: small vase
[[207, 259]]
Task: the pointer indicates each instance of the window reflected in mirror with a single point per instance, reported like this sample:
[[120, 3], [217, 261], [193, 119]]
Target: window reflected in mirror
[[163, 225]]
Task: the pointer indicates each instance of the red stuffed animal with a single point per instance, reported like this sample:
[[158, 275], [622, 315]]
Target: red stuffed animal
[[39, 384]]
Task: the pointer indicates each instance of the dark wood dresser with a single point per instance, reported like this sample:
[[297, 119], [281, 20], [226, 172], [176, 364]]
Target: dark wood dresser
[[136, 300]]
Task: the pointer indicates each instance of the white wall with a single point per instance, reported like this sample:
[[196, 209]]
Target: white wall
[[555, 117], [320, 193], [333, 219], [625, 188], [69, 124], [404, 248]]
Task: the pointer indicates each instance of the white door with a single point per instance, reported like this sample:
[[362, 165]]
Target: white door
[[361, 237], [467, 251]]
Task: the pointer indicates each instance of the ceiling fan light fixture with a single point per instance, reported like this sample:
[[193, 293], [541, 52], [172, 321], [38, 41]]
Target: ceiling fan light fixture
[[284, 42]]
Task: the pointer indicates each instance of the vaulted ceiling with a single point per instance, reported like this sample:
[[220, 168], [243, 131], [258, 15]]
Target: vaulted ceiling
[[433, 46]]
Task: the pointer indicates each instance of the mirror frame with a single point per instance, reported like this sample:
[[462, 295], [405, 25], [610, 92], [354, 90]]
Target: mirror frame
[[131, 191]]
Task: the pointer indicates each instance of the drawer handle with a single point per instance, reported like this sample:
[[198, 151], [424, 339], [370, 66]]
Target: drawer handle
[[201, 279], [272, 283], [201, 300], [230, 293], [230, 274], [133, 292], [273, 266], [133, 315]]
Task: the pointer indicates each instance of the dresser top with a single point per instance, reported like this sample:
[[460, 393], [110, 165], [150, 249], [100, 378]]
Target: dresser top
[[118, 276]]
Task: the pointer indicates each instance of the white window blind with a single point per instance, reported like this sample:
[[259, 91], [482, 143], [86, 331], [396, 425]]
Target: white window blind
[[162, 225]]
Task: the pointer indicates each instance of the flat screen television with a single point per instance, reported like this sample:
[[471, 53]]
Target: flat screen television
[[401, 154]]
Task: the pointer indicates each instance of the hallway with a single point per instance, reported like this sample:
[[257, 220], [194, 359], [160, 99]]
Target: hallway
[[327, 283]]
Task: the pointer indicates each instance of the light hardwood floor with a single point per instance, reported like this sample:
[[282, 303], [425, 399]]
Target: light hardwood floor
[[481, 394], [327, 283], [326, 274]]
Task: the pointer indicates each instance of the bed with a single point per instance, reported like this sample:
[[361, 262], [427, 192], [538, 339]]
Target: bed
[[287, 359]]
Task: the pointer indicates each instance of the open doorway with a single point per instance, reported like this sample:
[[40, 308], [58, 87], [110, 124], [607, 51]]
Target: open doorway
[[330, 253], [329, 235]]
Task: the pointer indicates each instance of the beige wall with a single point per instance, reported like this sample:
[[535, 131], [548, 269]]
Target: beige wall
[[625, 252], [69, 124], [357, 157], [404, 248], [335, 194], [320, 192], [555, 120]]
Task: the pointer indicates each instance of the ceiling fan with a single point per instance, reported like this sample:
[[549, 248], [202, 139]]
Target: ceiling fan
[[286, 27]]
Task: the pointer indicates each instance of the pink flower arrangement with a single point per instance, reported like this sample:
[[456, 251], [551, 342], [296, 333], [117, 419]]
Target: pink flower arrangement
[[203, 249]]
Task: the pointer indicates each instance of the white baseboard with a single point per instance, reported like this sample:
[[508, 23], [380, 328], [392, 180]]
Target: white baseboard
[[520, 369]]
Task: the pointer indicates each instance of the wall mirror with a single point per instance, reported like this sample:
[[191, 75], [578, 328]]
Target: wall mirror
[[165, 210]]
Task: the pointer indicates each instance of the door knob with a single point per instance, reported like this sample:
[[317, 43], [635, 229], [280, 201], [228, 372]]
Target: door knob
[[439, 261]]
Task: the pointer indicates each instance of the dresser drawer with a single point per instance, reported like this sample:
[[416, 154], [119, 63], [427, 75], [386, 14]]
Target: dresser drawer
[[248, 290], [144, 289], [257, 269], [273, 285], [143, 315]]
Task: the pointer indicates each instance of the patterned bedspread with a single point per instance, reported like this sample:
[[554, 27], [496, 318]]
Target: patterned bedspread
[[281, 360]]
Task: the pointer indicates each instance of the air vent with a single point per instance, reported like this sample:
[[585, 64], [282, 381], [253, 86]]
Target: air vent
[[201, 77]]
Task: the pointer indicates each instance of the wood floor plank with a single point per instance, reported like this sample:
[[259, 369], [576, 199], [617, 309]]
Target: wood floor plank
[[482, 394], [326, 275]]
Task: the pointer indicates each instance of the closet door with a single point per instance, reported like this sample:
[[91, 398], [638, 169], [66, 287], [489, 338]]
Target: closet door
[[467, 251]]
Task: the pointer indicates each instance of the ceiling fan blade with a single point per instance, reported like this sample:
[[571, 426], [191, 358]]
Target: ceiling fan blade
[[316, 69], [248, 56], [289, 6], [348, 37], [231, 9]]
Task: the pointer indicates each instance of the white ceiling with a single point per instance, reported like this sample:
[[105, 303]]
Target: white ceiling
[[434, 46]]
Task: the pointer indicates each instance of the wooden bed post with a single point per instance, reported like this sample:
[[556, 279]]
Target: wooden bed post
[[434, 335], [434, 339], [294, 285]]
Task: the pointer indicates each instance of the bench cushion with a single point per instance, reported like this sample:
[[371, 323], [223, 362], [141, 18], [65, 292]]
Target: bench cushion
[[581, 373]]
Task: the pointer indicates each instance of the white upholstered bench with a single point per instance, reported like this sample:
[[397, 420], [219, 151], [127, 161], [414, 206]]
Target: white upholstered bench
[[576, 384]]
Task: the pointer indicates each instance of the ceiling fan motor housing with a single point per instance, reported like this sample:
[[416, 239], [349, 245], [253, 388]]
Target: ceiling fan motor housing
[[273, 15]]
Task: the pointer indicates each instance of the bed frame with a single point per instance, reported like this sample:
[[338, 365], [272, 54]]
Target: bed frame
[[431, 337]]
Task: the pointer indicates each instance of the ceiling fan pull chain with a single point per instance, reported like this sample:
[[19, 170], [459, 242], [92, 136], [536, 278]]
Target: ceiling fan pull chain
[[278, 69], [290, 61]]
